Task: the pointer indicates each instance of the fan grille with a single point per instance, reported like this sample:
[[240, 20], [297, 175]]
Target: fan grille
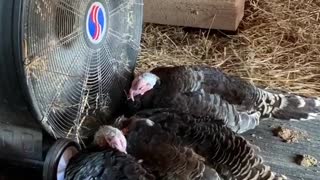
[[68, 78]]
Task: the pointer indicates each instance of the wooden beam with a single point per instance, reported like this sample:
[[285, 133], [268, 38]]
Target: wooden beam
[[213, 14]]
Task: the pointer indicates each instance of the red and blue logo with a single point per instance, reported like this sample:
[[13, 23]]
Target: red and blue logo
[[96, 22]]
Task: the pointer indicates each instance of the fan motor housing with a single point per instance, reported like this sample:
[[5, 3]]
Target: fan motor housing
[[96, 23]]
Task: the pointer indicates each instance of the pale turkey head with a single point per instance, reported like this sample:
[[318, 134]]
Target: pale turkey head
[[110, 136], [142, 83]]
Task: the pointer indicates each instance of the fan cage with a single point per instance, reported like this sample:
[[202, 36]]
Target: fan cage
[[66, 79]]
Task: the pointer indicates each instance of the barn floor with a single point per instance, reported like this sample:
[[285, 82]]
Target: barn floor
[[281, 156]]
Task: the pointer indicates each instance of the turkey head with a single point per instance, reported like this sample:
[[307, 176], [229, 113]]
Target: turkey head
[[108, 136], [141, 84]]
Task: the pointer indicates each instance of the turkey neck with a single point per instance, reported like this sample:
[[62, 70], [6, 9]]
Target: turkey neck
[[161, 92], [147, 99]]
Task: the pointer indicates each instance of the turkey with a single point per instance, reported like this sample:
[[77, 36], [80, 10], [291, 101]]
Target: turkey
[[165, 160], [203, 90], [106, 158], [163, 130], [169, 161]]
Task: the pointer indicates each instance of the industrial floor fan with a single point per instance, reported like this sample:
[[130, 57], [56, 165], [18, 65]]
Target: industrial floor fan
[[64, 69]]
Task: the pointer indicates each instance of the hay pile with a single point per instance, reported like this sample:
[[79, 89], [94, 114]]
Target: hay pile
[[277, 46]]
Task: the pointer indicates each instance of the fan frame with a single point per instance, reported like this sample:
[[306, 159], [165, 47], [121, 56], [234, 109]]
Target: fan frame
[[19, 45], [20, 16]]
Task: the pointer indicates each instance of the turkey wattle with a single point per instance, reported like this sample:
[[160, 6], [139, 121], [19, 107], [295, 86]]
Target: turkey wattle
[[208, 91], [229, 154]]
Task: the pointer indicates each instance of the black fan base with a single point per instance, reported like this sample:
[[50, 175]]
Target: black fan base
[[23, 142], [15, 173], [21, 134]]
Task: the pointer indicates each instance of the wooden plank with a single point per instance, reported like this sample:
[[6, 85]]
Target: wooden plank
[[215, 14], [280, 155]]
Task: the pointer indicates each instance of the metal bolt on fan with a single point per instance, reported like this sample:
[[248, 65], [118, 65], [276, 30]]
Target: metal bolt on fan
[[78, 58]]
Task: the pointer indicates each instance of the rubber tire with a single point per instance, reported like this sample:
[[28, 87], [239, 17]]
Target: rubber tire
[[54, 154]]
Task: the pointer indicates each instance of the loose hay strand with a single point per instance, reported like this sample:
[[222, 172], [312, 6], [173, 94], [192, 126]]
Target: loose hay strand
[[277, 46]]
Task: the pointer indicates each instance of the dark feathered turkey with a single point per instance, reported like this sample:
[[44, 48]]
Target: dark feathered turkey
[[231, 155], [204, 90], [166, 159], [105, 165]]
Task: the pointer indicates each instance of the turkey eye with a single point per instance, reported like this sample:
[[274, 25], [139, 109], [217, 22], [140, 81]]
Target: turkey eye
[[140, 88]]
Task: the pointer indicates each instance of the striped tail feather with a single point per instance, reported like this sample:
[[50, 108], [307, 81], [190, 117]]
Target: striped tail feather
[[288, 106]]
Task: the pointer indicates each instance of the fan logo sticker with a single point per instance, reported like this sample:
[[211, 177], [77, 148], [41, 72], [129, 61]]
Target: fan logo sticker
[[96, 22]]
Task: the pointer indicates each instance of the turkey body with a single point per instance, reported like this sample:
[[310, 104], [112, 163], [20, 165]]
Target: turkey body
[[207, 91], [105, 165], [165, 158], [157, 133]]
